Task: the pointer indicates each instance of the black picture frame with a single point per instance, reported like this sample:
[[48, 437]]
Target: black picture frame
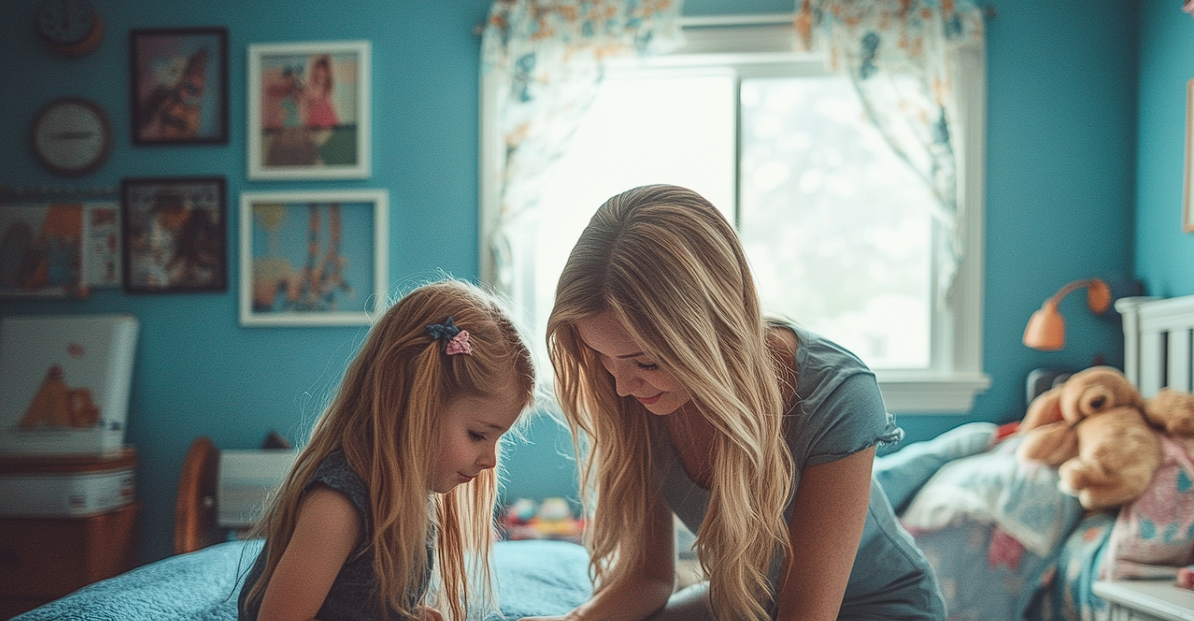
[[175, 234], [178, 86]]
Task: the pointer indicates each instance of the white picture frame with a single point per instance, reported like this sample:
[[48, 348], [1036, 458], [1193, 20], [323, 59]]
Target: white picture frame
[[309, 110], [313, 258]]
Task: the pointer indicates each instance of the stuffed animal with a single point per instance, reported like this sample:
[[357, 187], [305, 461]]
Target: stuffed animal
[[1118, 454], [1155, 532], [1173, 412], [1047, 428], [1093, 428]]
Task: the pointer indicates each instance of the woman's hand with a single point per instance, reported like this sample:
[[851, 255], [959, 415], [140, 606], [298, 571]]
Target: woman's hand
[[431, 614]]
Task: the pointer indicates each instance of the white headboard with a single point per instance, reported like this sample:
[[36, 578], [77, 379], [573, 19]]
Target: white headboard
[[1158, 345]]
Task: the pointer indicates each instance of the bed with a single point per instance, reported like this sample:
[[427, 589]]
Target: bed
[[1005, 543]]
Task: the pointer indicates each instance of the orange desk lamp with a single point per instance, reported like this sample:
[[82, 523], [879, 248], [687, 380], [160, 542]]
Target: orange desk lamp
[[1046, 328]]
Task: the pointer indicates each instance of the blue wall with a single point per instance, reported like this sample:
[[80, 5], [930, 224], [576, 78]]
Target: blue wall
[[1062, 172], [1164, 254]]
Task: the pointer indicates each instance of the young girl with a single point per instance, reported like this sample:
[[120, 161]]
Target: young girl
[[398, 477], [758, 435]]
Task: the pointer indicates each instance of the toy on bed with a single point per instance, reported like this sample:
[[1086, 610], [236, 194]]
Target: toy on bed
[[1092, 427], [550, 519], [1154, 533]]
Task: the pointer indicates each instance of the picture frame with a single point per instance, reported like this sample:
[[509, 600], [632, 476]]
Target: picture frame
[[309, 110], [317, 258], [175, 234], [178, 86], [1188, 193], [42, 250]]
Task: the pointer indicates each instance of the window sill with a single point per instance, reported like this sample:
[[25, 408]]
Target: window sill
[[931, 394]]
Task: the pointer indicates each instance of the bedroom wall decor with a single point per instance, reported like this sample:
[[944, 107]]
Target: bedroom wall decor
[[179, 85], [175, 234], [313, 258], [41, 250], [71, 136], [309, 110]]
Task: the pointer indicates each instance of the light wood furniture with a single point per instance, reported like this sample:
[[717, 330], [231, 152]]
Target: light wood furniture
[[195, 508], [44, 558], [1147, 600]]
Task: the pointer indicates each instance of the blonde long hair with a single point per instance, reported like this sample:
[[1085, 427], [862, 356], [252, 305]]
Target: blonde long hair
[[670, 269], [385, 419]]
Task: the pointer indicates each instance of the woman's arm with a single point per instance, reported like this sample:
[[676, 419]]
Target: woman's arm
[[643, 591], [328, 529], [825, 529]]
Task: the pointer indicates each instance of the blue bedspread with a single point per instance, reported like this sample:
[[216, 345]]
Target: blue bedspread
[[1006, 545], [534, 578]]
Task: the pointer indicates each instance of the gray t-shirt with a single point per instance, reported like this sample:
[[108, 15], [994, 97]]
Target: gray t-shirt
[[838, 410], [353, 596]]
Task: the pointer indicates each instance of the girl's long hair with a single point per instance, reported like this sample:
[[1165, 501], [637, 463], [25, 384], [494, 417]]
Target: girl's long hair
[[668, 267], [385, 419]]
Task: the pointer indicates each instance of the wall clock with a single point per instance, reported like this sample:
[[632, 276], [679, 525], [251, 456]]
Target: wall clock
[[70, 27], [71, 136]]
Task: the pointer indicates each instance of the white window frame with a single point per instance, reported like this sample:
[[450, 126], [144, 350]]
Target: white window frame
[[956, 375]]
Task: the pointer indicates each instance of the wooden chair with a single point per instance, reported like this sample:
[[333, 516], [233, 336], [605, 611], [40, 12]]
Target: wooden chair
[[195, 509]]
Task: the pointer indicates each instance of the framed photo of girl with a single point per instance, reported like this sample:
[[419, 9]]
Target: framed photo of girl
[[314, 258], [309, 110], [179, 86], [175, 234]]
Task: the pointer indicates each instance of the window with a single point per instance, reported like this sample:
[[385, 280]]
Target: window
[[839, 231]]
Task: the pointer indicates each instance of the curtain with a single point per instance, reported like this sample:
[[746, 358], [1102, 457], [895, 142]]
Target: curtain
[[546, 57], [903, 58]]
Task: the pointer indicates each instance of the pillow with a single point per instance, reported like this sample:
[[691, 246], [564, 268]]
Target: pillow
[[1154, 534], [1021, 498], [902, 473]]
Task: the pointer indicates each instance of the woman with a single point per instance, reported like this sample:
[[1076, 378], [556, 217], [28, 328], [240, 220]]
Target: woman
[[760, 436]]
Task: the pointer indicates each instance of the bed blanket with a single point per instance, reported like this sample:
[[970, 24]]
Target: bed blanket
[[534, 578]]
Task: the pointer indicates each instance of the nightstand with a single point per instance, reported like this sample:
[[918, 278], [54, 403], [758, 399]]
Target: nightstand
[[67, 521], [1147, 600]]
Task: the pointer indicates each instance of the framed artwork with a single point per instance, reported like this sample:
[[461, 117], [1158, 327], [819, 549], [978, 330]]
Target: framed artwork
[[1188, 213], [101, 244], [41, 250], [179, 86], [313, 258], [309, 110], [175, 234]]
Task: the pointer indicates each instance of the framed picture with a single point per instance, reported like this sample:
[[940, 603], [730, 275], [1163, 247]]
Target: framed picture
[[175, 234], [41, 250], [313, 258], [1188, 213], [179, 89], [309, 110]]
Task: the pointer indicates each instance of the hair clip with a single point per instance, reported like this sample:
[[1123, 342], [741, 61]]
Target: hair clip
[[455, 339]]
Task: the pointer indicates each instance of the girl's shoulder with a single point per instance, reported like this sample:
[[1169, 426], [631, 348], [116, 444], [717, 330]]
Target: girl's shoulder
[[335, 473]]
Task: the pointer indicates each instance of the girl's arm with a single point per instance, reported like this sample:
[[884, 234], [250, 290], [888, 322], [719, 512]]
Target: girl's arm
[[328, 529], [825, 529], [640, 592]]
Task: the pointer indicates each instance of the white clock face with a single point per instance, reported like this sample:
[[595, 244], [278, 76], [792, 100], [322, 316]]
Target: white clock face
[[71, 136]]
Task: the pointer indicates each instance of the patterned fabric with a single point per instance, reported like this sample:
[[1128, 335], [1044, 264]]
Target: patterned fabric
[[903, 57], [1154, 534], [548, 56]]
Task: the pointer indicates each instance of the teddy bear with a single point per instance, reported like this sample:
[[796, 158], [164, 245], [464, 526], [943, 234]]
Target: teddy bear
[[1092, 427], [1155, 532], [1173, 412]]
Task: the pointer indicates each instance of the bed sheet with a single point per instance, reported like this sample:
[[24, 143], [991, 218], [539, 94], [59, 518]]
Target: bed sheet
[[534, 578]]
